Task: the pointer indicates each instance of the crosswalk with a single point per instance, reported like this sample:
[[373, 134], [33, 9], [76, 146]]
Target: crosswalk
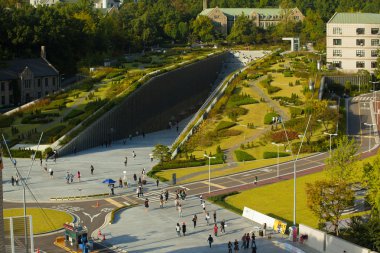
[[360, 98]]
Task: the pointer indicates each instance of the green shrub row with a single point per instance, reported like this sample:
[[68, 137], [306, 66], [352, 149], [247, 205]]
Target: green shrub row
[[242, 156], [268, 155], [224, 125], [6, 121], [74, 113], [16, 153], [220, 200]]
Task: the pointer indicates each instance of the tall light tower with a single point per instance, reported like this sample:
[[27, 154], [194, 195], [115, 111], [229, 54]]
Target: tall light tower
[[204, 4], [2, 241]]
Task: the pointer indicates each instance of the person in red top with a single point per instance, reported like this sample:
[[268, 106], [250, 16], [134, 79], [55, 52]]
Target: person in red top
[[216, 230], [78, 175]]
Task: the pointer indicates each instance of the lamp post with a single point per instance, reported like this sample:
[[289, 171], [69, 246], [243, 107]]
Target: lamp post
[[209, 171], [278, 156], [370, 134], [330, 139]]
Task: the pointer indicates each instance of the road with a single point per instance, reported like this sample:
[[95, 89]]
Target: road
[[93, 212]]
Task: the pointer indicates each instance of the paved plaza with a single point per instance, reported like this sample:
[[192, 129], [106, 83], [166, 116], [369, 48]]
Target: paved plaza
[[154, 230]]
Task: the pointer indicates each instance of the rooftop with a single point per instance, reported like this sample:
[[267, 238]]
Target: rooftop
[[246, 11], [355, 18]]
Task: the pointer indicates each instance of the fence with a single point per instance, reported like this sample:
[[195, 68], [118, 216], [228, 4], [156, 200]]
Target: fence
[[18, 233]]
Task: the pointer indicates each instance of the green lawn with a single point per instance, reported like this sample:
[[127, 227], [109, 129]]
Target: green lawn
[[43, 221]]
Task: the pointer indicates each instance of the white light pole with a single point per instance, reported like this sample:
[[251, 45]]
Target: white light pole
[[330, 139], [278, 156], [370, 134], [209, 171]]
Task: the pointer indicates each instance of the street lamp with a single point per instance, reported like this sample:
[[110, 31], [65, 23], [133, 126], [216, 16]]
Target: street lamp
[[330, 139], [278, 156], [370, 134], [209, 170]]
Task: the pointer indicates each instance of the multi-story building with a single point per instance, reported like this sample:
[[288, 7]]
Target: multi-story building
[[224, 18], [353, 41], [24, 80]]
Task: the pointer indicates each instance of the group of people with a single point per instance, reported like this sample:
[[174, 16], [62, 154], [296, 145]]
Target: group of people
[[70, 177], [15, 180]]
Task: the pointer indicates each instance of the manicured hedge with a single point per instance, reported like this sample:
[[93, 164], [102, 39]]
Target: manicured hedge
[[268, 155], [242, 156], [220, 200], [74, 113], [224, 125], [268, 118], [6, 121], [22, 153]]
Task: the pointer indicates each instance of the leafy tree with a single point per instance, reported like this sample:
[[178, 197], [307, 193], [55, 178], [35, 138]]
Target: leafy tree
[[342, 164], [328, 200], [161, 152], [371, 180], [203, 29], [326, 115], [313, 28], [242, 31]]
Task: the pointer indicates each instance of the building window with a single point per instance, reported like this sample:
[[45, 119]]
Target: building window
[[374, 53], [360, 53], [39, 94], [39, 82], [360, 42], [11, 99], [46, 82], [375, 42], [337, 30], [337, 64], [2, 86], [360, 30], [27, 84], [10, 87], [53, 81], [337, 42], [374, 30], [337, 52], [374, 64], [360, 64]]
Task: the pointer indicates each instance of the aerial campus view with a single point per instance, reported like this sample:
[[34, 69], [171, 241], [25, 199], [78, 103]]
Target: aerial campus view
[[189, 126]]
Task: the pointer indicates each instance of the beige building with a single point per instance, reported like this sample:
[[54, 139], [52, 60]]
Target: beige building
[[24, 80], [224, 18], [353, 41]]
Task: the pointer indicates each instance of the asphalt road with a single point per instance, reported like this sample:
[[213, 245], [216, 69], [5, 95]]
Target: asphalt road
[[93, 213]]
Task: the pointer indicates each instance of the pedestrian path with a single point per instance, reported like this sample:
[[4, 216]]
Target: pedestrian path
[[362, 98]]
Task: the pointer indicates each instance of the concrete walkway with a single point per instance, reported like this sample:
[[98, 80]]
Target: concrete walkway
[[157, 232]]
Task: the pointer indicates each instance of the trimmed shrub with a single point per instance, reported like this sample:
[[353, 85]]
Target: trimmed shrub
[[224, 125], [268, 155], [23, 153], [295, 112], [268, 118], [220, 200], [273, 89], [229, 132], [74, 113], [243, 156], [6, 121], [288, 74]]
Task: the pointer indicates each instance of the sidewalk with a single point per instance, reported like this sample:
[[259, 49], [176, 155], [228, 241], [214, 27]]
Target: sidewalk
[[157, 232]]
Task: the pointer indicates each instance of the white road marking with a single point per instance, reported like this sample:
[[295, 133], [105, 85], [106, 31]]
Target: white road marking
[[92, 217]]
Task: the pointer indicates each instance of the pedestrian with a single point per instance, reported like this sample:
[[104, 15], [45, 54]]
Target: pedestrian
[[41, 161], [112, 189], [195, 218], [92, 169], [71, 177], [151, 157], [13, 181], [204, 207], [183, 228], [133, 154], [178, 229], [120, 183], [146, 204], [222, 225], [210, 240], [253, 247], [256, 179], [229, 245], [215, 229], [244, 242], [126, 161], [138, 192], [51, 172], [67, 178], [214, 215], [166, 196], [143, 171], [253, 239], [161, 200], [201, 198], [78, 175], [157, 182], [236, 246], [134, 177], [45, 168], [247, 238], [180, 210], [207, 219], [139, 180]]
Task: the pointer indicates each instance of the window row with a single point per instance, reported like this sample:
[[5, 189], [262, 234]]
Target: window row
[[359, 42], [3, 86], [359, 31], [359, 53], [27, 83], [359, 64]]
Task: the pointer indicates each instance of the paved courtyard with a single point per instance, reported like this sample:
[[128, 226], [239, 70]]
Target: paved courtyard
[[156, 230]]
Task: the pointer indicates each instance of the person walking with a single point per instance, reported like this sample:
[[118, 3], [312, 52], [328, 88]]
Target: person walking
[[236, 246], [180, 210], [256, 179], [253, 239], [92, 169], [244, 242], [183, 228], [178, 229], [157, 182], [133, 154], [247, 238], [51, 172], [222, 225], [214, 215], [229, 246], [210, 240], [120, 183], [78, 175], [253, 247], [13, 181], [146, 204], [215, 230], [71, 177], [204, 207], [126, 161], [67, 178], [151, 157], [195, 218], [161, 200], [201, 198], [166, 196], [207, 219], [134, 177], [41, 161], [17, 179]]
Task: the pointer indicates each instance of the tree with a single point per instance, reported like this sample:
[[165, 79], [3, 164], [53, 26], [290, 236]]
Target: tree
[[326, 115], [203, 29], [371, 180], [313, 28], [242, 31], [161, 152], [328, 199]]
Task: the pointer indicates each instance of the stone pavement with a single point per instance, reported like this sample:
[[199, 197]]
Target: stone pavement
[[156, 230]]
